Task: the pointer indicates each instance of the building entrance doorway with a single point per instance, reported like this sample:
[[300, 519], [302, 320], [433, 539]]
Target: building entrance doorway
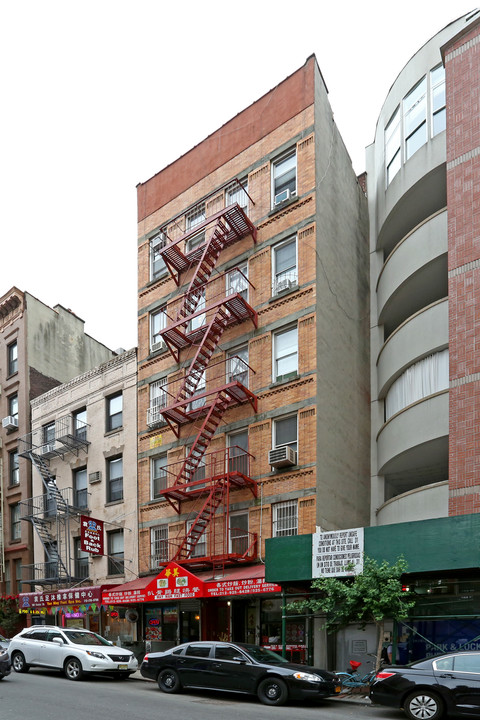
[[216, 620]]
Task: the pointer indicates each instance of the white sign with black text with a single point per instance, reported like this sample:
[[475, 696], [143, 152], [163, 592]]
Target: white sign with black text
[[337, 553]]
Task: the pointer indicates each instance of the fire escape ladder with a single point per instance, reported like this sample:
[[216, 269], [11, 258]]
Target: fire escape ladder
[[197, 451], [201, 522], [53, 493], [203, 355], [204, 269]]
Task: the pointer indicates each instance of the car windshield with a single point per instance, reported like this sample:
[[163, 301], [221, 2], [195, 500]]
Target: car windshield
[[263, 655], [79, 637]]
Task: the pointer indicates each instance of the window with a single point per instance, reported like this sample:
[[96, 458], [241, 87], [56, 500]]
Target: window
[[158, 475], [238, 452], [157, 265], [199, 320], [285, 432], [393, 157], [199, 402], [114, 411], [80, 424], [50, 499], [17, 564], [237, 193], [115, 479], [237, 365], [158, 400], [239, 533], [227, 652], [198, 650], [80, 488], [200, 549], [15, 528], [13, 406], [425, 377], [81, 560], [12, 363], [284, 266], [284, 178], [415, 118], [467, 663], [7, 578], [285, 354], [48, 433], [285, 518], [200, 472], [437, 89], [237, 281], [158, 323], [195, 217], [13, 468], [116, 559], [159, 545]]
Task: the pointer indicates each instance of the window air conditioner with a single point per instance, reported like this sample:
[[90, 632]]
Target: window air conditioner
[[47, 449], [283, 285], [282, 457], [94, 477], [282, 196], [10, 422], [156, 347]]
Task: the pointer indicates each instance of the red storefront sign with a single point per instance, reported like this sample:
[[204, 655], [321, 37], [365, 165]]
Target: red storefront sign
[[251, 586], [173, 583], [91, 535]]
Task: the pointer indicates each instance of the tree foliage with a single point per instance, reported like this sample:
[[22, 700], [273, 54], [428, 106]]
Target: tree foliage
[[372, 596], [9, 617]]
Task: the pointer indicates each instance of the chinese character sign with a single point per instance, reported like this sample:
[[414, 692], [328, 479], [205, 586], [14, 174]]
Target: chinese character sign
[[91, 535]]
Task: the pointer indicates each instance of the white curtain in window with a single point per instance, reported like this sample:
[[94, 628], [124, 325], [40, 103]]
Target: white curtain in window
[[422, 379]]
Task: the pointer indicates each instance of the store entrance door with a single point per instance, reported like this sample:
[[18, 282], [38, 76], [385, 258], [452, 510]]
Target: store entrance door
[[216, 620]]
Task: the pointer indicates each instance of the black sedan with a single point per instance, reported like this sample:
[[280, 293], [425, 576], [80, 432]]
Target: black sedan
[[428, 689], [237, 667]]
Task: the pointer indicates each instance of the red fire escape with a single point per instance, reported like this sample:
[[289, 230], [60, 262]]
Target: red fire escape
[[205, 479]]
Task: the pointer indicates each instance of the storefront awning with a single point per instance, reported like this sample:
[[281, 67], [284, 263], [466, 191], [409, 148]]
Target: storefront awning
[[176, 583]]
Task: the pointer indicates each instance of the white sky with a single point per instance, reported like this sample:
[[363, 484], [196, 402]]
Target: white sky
[[100, 95]]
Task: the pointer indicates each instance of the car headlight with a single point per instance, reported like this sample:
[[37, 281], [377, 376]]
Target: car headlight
[[96, 654], [308, 677]]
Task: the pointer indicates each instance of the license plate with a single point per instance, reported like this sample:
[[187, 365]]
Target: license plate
[[123, 667]]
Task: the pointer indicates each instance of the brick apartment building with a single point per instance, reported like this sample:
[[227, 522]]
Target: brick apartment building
[[40, 348], [253, 313]]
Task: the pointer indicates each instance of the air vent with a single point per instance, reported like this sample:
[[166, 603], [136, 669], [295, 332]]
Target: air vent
[[282, 457], [94, 477]]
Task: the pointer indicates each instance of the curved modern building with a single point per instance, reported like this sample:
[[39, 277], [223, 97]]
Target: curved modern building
[[423, 175]]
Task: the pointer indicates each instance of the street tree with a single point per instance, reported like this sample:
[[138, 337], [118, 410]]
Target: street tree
[[373, 596]]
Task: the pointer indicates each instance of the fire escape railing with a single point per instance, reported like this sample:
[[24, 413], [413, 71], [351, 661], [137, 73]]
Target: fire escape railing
[[201, 320], [51, 512]]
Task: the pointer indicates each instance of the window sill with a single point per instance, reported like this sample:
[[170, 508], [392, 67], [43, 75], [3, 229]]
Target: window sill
[[114, 502], [157, 279], [282, 293], [284, 380], [113, 432], [283, 205]]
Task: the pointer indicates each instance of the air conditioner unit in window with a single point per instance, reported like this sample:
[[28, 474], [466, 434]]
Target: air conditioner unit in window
[[156, 347], [10, 422], [283, 285], [94, 477], [47, 449], [282, 196], [282, 457]]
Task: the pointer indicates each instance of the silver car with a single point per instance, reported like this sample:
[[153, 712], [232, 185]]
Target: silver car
[[73, 650]]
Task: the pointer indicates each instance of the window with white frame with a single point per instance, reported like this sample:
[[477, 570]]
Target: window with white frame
[[285, 518], [158, 545], [437, 90], [158, 400], [195, 217], [199, 320], [157, 265], [80, 486], [13, 468], [237, 193], [80, 423], [201, 385], [200, 549], [415, 118], [238, 458], [12, 358], [15, 522], [284, 178], [393, 155], [237, 281], [115, 479], [114, 407], [116, 553], [158, 323], [237, 365], [158, 475], [13, 406], [284, 265], [285, 432], [285, 354], [238, 536]]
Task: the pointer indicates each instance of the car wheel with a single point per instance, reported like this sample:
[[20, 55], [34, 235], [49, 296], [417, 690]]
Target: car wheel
[[168, 681], [73, 669], [272, 691], [18, 662], [423, 705]]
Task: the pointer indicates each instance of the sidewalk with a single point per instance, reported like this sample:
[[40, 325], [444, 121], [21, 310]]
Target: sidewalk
[[353, 697]]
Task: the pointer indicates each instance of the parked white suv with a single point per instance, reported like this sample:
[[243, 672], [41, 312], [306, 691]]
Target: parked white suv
[[73, 650]]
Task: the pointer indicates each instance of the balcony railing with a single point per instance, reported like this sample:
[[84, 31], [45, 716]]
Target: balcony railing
[[69, 434], [241, 546], [48, 506], [46, 573]]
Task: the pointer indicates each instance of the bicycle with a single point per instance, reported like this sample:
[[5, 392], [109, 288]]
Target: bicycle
[[354, 679]]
